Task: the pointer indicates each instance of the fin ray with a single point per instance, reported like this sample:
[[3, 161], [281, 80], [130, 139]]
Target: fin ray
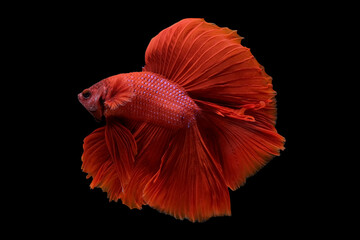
[[189, 183], [152, 142], [122, 148], [108, 158], [201, 56], [241, 147], [119, 93]]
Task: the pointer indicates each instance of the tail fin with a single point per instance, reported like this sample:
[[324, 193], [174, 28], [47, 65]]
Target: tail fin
[[240, 146]]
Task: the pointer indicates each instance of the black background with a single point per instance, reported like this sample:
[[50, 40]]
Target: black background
[[90, 43]]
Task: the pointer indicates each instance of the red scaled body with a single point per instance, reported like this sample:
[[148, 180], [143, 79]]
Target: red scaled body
[[156, 100], [198, 120]]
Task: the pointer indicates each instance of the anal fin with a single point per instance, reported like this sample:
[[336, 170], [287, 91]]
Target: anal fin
[[189, 183], [152, 141]]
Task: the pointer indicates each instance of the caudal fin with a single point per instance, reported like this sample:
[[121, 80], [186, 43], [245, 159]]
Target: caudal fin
[[238, 142]]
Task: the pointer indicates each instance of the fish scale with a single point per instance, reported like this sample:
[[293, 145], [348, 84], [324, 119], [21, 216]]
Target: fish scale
[[159, 101]]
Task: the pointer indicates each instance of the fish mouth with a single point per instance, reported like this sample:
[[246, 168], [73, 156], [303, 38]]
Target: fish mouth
[[81, 99]]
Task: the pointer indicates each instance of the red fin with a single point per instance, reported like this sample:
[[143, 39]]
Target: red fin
[[225, 111], [189, 183], [153, 142], [240, 147], [119, 93], [122, 148], [108, 158], [209, 63], [97, 164]]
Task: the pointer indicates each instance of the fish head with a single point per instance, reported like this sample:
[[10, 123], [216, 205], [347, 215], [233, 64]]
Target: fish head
[[93, 99]]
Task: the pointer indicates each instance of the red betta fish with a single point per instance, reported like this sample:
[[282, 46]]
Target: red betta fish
[[199, 119]]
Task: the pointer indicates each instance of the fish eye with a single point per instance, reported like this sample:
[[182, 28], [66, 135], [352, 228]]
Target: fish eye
[[86, 94]]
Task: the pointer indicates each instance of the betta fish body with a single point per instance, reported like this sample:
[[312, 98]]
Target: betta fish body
[[198, 119]]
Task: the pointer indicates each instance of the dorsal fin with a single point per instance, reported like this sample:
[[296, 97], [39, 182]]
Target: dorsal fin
[[209, 62]]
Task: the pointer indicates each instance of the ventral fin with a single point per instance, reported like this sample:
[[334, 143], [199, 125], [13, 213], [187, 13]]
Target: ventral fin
[[108, 158]]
